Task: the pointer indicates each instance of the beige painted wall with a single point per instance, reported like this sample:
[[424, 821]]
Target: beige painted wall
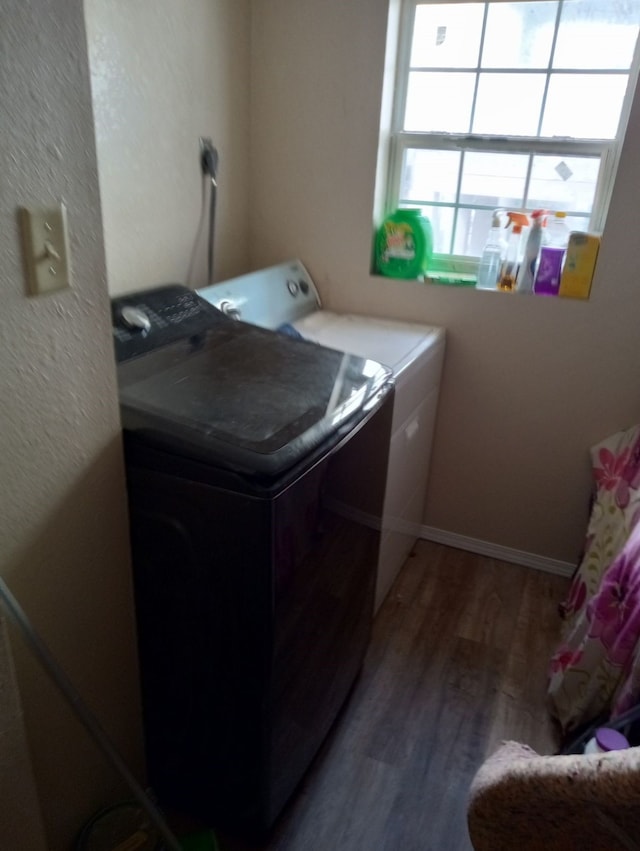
[[529, 384], [63, 529], [163, 74]]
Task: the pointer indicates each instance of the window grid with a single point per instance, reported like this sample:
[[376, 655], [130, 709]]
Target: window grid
[[607, 150], [552, 52]]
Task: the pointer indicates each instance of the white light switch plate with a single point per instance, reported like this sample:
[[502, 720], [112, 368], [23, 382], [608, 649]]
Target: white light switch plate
[[46, 248]]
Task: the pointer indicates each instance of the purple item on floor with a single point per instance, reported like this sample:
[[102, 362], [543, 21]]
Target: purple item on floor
[[610, 740]]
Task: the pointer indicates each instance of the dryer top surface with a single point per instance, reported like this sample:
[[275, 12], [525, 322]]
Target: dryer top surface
[[393, 343]]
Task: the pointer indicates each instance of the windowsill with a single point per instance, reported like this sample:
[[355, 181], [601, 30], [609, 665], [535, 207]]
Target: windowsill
[[460, 272], [468, 281], [452, 279]]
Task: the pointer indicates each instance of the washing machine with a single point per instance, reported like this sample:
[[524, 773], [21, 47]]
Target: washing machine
[[256, 472], [285, 298]]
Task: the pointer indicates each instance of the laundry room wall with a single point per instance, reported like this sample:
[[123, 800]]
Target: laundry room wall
[[163, 74], [529, 383], [63, 529]]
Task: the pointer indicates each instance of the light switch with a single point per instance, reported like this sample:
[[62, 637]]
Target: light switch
[[46, 248]]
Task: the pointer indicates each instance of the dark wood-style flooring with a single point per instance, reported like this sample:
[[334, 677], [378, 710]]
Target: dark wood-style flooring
[[456, 664]]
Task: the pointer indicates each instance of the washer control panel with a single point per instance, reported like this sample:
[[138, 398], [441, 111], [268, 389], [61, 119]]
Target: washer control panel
[[148, 319]]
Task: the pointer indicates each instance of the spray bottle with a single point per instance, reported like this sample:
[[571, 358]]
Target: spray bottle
[[526, 275], [509, 270], [492, 256]]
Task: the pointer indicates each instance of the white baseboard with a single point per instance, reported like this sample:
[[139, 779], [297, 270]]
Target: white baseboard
[[484, 548]]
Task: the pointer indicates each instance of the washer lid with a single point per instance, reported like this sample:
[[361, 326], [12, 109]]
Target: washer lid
[[246, 398]]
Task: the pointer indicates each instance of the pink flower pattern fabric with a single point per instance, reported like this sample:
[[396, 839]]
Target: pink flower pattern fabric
[[564, 658], [614, 613], [611, 468], [596, 668]]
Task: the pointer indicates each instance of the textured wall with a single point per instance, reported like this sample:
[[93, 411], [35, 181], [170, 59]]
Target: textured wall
[[63, 532], [529, 383], [163, 74]]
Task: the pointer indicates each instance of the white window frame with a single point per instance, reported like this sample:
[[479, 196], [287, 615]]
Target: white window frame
[[400, 140]]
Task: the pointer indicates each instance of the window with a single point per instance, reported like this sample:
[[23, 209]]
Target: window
[[509, 105]]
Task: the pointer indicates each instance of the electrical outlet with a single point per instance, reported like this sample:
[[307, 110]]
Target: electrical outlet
[[206, 145], [46, 248], [208, 157]]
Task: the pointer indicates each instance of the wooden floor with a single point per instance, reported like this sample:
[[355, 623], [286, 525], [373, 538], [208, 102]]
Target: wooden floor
[[456, 664]]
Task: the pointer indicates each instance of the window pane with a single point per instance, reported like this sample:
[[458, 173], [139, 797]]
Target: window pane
[[429, 176], [446, 35], [441, 219], [519, 35], [494, 180], [509, 104], [563, 183], [584, 106], [597, 34], [472, 228], [439, 102]]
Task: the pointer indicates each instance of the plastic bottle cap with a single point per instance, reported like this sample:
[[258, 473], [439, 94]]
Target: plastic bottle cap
[[610, 740]]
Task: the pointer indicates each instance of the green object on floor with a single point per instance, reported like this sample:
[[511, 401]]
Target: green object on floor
[[204, 840]]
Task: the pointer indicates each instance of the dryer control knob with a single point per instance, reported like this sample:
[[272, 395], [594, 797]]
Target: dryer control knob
[[292, 286], [229, 310]]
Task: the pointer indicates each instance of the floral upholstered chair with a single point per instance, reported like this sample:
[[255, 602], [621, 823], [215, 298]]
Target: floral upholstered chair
[[595, 671]]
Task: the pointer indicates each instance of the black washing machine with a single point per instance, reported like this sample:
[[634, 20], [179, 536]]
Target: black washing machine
[[256, 468]]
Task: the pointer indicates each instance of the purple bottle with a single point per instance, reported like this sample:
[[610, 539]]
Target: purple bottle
[[552, 257], [606, 740]]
